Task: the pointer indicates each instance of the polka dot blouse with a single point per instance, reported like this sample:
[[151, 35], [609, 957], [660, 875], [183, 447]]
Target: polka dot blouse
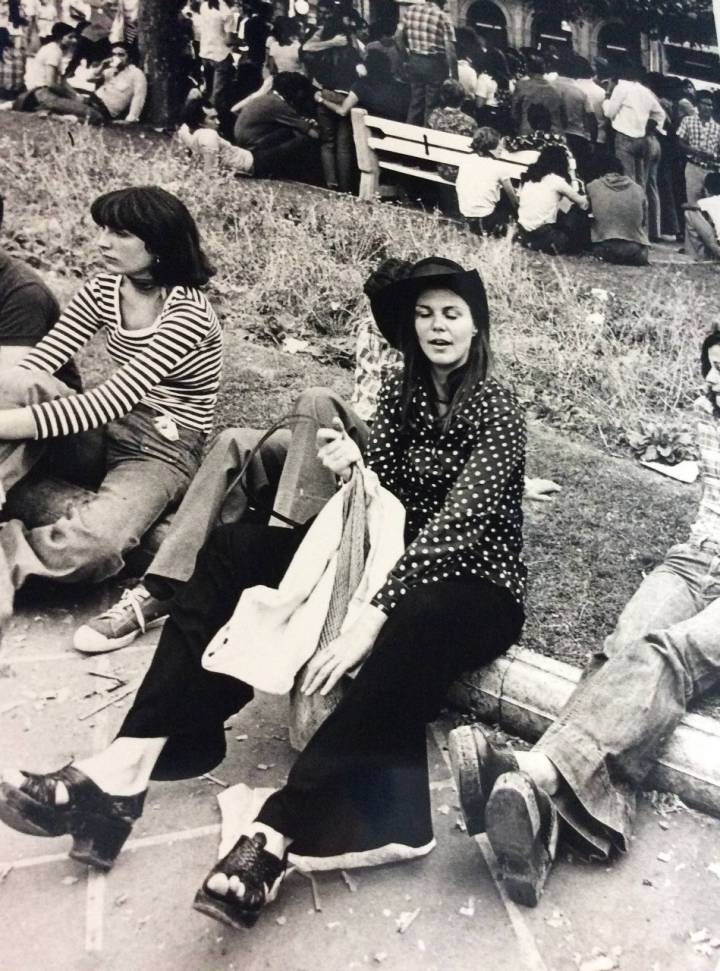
[[462, 489]]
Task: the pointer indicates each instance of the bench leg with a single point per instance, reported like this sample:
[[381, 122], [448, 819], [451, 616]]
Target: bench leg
[[369, 182]]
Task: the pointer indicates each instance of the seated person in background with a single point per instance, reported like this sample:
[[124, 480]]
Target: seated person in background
[[448, 116], [199, 133], [47, 88], [123, 89], [545, 185], [122, 92], [586, 769], [272, 125], [486, 195], [539, 137], [619, 215], [378, 91], [28, 311], [702, 222]]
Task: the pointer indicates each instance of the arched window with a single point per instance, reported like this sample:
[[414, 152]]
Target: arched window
[[488, 19], [618, 41], [550, 31]]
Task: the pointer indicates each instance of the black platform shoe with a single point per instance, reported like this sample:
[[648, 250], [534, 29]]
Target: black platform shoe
[[261, 872], [98, 822]]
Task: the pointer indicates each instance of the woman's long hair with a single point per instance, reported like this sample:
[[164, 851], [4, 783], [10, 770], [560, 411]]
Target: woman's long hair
[[284, 30], [552, 160], [713, 340], [417, 370], [166, 227]]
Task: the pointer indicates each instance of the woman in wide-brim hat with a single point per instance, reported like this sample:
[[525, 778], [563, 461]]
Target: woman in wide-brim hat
[[449, 442]]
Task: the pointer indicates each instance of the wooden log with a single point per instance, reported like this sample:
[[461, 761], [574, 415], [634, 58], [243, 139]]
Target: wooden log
[[524, 692]]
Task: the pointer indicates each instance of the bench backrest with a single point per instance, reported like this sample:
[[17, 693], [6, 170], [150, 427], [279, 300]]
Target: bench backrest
[[385, 137]]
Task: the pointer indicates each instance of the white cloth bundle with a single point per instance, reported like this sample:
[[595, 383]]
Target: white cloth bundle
[[273, 632]]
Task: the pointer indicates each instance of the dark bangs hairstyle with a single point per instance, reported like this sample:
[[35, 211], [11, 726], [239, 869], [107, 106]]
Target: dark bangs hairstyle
[[465, 379], [163, 223], [713, 340]]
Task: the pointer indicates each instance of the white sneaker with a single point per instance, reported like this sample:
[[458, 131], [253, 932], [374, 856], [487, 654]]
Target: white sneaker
[[134, 613]]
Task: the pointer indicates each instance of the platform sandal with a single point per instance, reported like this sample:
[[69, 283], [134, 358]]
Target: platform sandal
[[476, 765], [261, 873], [98, 822], [522, 827]]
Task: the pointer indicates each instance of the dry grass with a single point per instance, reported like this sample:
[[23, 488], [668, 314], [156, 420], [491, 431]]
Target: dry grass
[[291, 261]]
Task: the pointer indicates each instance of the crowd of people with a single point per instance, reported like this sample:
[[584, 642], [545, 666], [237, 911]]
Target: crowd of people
[[430, 428], [275, 94]]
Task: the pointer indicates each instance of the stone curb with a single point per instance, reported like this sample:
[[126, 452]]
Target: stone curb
[[523, 692]]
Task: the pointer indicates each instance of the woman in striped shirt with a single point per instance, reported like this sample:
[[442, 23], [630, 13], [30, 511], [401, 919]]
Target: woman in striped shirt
[[137, 438]]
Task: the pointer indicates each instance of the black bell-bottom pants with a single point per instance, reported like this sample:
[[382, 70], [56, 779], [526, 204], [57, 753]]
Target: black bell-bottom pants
[[362, 781]]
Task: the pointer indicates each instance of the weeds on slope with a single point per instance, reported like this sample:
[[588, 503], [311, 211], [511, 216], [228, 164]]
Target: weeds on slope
[[291, 261]]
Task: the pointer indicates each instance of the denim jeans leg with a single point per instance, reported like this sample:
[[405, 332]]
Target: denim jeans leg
[[208, 500], [306, 485], [652, 191], [694, 182], [345, 155], [631, 152], [700, 240], [605, 738], [145, 475], [328, 125]]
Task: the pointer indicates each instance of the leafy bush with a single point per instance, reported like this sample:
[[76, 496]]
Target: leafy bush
[[656, 443]]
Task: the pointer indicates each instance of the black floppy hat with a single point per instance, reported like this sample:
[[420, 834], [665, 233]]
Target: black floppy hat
[[393, 306]]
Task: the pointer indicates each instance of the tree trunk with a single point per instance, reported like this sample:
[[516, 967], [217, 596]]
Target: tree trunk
[[161, 44]]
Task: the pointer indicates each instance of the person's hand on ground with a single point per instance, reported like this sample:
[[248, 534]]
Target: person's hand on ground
[[337, 451], [344, 653], [540, 490]]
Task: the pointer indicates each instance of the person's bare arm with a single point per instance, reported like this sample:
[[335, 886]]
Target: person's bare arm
[[342, 109], [315, 46]]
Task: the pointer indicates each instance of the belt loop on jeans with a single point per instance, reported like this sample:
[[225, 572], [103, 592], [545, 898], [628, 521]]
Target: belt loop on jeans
[[705, 542]]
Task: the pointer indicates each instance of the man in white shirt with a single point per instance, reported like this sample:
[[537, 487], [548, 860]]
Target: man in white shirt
[[702, 222], [630, 106], [699, 137]]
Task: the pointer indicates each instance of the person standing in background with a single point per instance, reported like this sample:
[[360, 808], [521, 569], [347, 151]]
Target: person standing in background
[[699, 136], [427, 35]]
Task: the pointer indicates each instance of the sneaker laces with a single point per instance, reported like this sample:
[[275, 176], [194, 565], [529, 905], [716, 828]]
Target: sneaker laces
[[134, 598]]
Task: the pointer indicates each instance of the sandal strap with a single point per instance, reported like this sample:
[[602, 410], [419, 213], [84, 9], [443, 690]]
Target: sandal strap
[[257, 868], [84, 795]]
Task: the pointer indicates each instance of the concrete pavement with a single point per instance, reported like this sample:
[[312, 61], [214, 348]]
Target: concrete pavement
[[638, 914]]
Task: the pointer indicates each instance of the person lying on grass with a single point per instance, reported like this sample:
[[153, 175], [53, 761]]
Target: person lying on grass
[[282, 474], [138, 437], [449, 441], [585, 771]]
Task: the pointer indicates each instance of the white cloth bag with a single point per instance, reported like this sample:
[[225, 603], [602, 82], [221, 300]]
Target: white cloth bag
[[273, 632]]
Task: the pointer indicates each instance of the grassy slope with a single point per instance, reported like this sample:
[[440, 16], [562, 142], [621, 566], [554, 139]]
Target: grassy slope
[[587, 550]]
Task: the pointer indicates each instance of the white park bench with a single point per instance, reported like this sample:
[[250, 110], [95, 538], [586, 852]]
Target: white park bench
[[411, 150]]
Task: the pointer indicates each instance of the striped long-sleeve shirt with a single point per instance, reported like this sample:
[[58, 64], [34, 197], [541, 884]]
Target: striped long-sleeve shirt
[[172, 366]]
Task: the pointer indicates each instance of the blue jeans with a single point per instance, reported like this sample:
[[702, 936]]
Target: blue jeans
[[426, 73], [663, 653], [284, 474], [633, 153], [137, 473], [337, 150]]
